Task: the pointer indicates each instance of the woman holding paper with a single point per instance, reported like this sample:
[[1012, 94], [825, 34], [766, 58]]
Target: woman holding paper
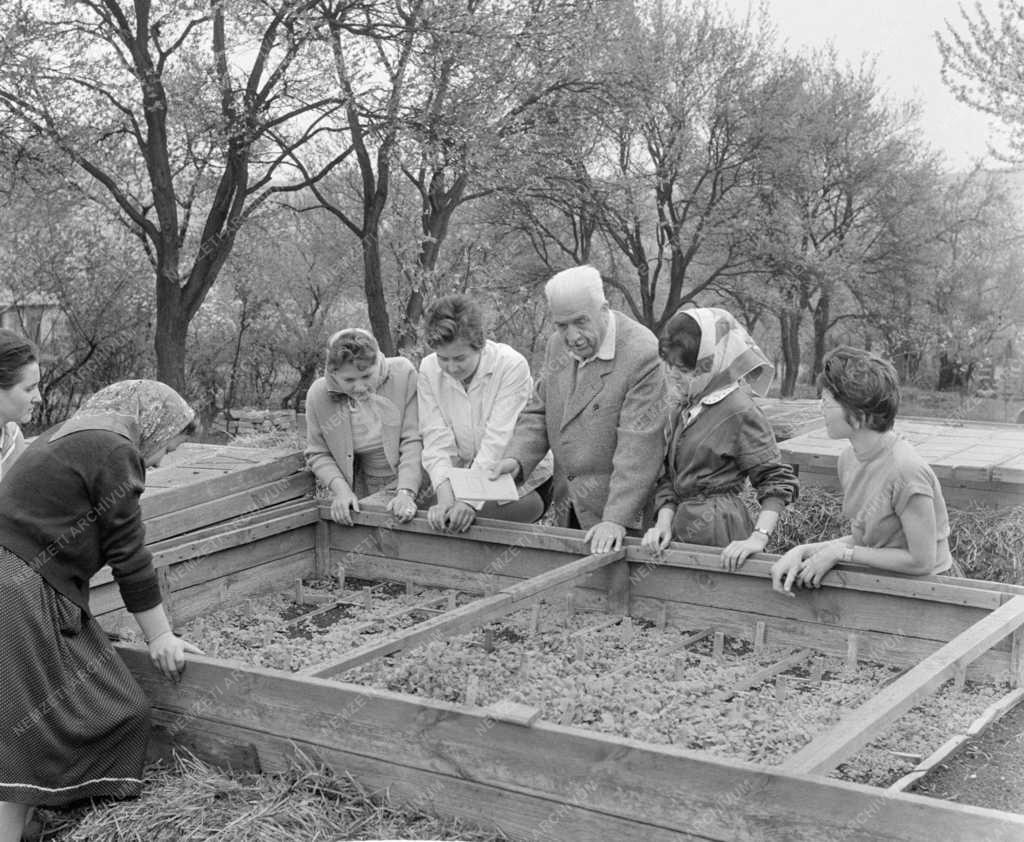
[[470, 393]]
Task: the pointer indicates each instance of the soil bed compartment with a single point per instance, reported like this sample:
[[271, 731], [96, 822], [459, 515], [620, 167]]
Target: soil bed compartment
[[612, 675]]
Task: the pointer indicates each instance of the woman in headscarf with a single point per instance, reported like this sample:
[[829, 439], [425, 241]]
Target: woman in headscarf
[[19, 394], [718, 438], [75, 721], [362, 427]]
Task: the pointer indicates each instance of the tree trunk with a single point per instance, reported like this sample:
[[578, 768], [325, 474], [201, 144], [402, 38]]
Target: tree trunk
[[789, 329], [820, 316], [373, 285], [171, 333], [307, 374], [243, 325]]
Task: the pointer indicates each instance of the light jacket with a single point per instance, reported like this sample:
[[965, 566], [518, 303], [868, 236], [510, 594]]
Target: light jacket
[[329, 450]]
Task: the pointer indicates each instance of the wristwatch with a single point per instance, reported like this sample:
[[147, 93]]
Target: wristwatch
[[765, 532], [848, 554]]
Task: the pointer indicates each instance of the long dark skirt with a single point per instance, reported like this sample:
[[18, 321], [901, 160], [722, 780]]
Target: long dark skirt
[[74, 721]]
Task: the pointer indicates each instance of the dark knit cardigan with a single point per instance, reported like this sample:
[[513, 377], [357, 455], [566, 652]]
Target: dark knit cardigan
[[70, 506]]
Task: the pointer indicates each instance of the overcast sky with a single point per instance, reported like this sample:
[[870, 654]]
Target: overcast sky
[[900, 35]]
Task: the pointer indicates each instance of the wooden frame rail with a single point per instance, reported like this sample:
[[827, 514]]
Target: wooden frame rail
[[864, 724], [544, 781], [894, 620], [469, 616]]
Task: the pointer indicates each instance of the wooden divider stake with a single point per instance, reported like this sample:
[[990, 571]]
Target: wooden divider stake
[[781, 687], [524, 666], [488, 639], [662, 620], [367, 597], [960, 677], [452, 594], [340, 573], [817, 670], [472, 689], [569, 710], [763, 675], [679, 663], [534, 618], [759, 629], [299, 592], [852, 652], [718, 646], [1017, 659]]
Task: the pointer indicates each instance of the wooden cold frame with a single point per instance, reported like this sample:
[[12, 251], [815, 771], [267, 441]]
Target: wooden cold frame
[[537, 779]]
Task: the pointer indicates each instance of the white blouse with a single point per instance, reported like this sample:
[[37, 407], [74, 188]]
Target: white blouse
[[471, 427]]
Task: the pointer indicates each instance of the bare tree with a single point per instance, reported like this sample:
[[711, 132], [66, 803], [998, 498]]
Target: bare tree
[[184, 116]]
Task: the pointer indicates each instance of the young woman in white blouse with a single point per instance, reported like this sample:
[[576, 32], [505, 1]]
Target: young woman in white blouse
[[470, 393]]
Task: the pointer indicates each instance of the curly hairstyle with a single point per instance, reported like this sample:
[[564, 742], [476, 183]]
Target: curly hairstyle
[[352, 345], [16, 352], [454, 317], [865, 385]]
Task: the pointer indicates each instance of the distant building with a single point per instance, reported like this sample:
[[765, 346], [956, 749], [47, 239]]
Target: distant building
[[37, 316]]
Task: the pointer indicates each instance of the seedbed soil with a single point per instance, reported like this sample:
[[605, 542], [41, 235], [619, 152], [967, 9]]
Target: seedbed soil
[[987, 772], [613, 675]]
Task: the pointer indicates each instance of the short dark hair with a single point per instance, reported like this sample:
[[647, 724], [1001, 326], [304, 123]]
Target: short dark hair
[[865, 385], [16, 352], [680, 341], [454, 317], [352, 346]]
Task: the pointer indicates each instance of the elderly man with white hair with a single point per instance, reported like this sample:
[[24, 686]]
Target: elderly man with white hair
[[599, 406]]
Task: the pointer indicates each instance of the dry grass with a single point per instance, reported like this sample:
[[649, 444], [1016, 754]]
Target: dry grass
[[988, 542], [193, 801]]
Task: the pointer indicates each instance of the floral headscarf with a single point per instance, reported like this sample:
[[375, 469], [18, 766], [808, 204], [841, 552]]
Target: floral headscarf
[[727, 354], [146, 412]]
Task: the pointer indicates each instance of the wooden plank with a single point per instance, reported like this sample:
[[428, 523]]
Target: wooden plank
[[763, 675], [223, 567], [625, 781], [523, 536], [510, 540], [992, 714], [514, 815], [941, 589], [251, 499], [208, 597], [619, 588], [861, 726], [286, 518], [850, 609], [322, 553], [469, 616], [273, 465]]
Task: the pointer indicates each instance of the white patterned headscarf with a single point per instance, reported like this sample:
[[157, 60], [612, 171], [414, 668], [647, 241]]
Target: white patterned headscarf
[[727, 355], [146, 412]]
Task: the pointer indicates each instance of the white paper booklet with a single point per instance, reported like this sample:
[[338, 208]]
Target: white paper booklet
[[469, 484]]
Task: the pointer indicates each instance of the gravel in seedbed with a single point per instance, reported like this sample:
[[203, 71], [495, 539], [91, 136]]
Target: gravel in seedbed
[[625, 677]]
